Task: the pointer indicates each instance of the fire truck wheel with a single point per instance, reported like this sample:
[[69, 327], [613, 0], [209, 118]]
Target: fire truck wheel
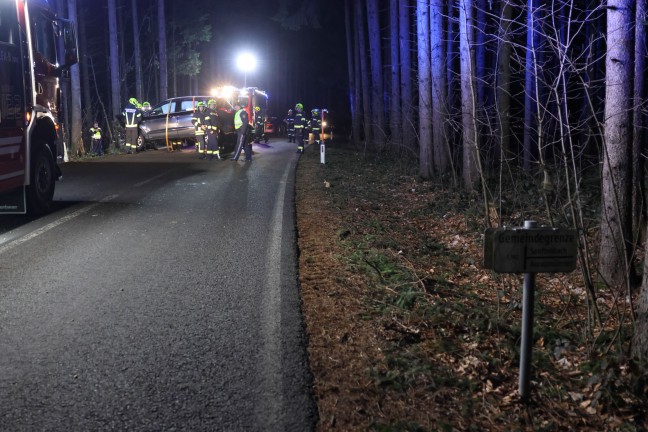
[[41, 189]]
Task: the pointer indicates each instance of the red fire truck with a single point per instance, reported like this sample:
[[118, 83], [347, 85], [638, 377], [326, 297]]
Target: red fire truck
[[31, 64]]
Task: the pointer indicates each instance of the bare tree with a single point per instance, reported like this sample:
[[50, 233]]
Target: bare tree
[[361, 54], [616, 174], [75, 84], [354, 94]]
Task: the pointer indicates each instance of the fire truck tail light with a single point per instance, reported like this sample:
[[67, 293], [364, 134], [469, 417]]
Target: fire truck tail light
[[27, 117]]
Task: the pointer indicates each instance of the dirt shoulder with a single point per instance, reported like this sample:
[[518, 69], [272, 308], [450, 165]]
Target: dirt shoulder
[[408, 332]]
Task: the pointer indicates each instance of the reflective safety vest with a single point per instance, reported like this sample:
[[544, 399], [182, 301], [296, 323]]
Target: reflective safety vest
[[237, 119], [96, 133]]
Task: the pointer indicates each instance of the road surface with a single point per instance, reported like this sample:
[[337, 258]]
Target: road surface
[[161, 294]]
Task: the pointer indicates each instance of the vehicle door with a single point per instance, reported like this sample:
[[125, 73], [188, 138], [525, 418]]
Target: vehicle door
[[160, 121], [186, 107]]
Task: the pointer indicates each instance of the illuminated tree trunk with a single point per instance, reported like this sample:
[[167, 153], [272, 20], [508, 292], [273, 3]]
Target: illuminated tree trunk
[[438, 74], [76, 132], [504, 79], [529, 144], [424, 89], [395, 121], [470, 172], [364, 70], [616, 173], [638, 135], [404, 20]]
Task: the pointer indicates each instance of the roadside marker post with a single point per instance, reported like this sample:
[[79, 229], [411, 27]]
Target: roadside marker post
[[322, 152], [529, 250]]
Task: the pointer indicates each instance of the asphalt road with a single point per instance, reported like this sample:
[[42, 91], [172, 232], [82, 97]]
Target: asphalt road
[[161, 294]]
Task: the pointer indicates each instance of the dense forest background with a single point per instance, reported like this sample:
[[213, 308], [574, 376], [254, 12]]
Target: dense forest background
[[497, 98]]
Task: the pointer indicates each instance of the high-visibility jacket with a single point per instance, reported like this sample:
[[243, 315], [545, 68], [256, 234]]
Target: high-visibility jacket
[[132, 115], [96, 133], [240, 118], [300, 121], [201, 118]]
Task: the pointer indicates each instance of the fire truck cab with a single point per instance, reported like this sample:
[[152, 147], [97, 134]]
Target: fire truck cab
[[36, 48]]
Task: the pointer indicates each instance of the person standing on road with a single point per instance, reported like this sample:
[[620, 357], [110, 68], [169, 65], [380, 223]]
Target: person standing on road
[[132, 117], [242, 127], [290, 125], [300, 127], [315, 124], [97, 144], [213, 151], [200, 120]]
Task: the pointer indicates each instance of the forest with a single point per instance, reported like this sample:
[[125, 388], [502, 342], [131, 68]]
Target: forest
[[499, 99], [509, 97]]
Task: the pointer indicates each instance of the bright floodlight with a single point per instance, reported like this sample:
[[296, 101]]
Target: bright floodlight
[[246, 62]]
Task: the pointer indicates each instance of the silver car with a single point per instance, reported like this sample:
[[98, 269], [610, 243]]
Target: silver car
[[169, 120]]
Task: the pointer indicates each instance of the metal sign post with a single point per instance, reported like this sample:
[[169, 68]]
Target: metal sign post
[[529, 250]]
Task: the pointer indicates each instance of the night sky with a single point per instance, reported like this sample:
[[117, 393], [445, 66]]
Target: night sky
[[305, 64]]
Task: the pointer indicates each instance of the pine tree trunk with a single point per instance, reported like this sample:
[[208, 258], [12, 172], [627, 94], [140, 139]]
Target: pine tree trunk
[[353, 100], [395, 121], [466, 27], [638, 135], [136, 52], [364, 71], [162, 50], [76, 132], [504, 79], [440, 146], [529, 144], [404, 23], [616, 174], [115, 84], [375, 57], [424, 89]]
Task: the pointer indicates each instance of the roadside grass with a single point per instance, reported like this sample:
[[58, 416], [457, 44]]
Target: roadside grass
[[447, 331]]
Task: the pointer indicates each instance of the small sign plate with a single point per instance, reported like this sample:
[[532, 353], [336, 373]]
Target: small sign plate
[[13, 201], [530, 250]]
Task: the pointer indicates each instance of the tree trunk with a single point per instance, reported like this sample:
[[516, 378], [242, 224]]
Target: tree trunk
[[375, 57], [616, 175], [504, 79], [136, 52], [76, 132], [90, 115], [638, 135], [469, 172], [424, 89], [162, 50], [440, 147], [115, 85], [364, 71], [395, 121], [529, 145], [404, 50], [353, 100]]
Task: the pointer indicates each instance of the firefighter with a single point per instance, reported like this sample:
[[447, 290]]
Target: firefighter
[[213, 151], [315, 125], [97, 144], [132, 116], [242, 128], [290, 125], [259, 133], [200, 120], [300, 127], [146, 107]]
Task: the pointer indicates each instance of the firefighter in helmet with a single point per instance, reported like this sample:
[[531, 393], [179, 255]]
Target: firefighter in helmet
[[146, 107], [97, 144], [289, 120], [200, 119], [315, 125], [132, 117], [213, 151], [259, 129], [300, 127]]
